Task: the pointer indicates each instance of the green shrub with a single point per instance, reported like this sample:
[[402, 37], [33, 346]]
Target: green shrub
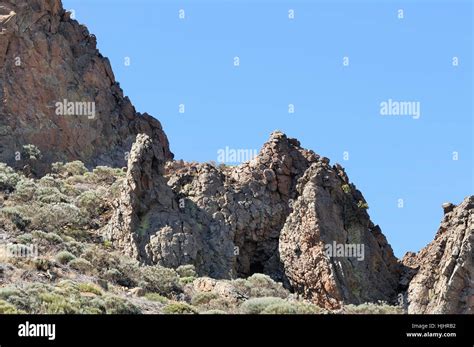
[[64, 257], [7, 308], [76, 248], [159, 279], [346, 188], [156, 297], [8, 178], [31, 152], [25, 190], [113, 275], [42, 264], [117, 305], [372, 308], [104, 174], [186, 271], [203, 298], [130, 273], [91, 202], [48, 237], [186, 280], [258, 305], [81, 265], [89, 288], [280, 308], [25, 238], [179, 308], [74, 168], [50, 195], [54, 216], [17, 217], [53, 303], [260, 285], [363, 205], [7, 292], [304, 308]]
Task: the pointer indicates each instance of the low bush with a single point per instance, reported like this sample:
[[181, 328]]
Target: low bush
[[74, 168], [81, 265], [89, 288], [156, 297], [179, 308], [372, 308], [64, 257], [159, 279], [258, 305], [203, 298], [117, 305], [8, 178]]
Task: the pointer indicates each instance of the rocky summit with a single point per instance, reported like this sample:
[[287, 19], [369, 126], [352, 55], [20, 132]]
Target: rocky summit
[[59, 93], [97, 217]]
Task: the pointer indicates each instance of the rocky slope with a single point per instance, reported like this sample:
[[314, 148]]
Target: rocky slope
[[176, 229], [46, 58], [443, 272]]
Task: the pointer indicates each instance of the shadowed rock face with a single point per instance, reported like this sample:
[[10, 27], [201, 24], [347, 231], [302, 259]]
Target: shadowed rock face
[[46, 58], [443, 271]]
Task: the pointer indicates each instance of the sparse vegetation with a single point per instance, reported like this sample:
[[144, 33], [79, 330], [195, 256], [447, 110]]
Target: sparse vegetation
[[258, 305], [31, 152], [179, 308], [81, 265], [372, 308], [64, 257], [62, 213]]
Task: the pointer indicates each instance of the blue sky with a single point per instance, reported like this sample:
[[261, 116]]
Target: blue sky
[[299, 61]]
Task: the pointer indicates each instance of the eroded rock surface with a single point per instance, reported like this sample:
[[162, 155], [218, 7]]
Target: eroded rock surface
[[443, 270], [272, 215], [275, 214], [46, 58], [331, 212]]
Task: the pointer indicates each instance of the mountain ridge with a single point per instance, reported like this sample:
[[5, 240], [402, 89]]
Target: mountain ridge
[[272, 216]]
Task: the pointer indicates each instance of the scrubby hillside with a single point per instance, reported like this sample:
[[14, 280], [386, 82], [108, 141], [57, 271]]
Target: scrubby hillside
[[77, 270]]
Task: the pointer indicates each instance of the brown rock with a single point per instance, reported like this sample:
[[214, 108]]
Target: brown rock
[[444, 270], [45, 58], [324, 216]]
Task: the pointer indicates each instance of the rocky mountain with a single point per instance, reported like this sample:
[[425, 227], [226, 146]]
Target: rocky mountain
[[272, 215], [287, 229], [59, 93]]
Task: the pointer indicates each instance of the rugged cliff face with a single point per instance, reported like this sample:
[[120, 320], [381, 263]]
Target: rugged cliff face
[[443, 271], [287, 213], [275, 215], [45, 59], [330, 211]]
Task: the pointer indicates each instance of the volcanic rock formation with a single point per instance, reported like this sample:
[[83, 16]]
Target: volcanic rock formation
[[46, 58], [272, 215], [443, 271], [276, 214]]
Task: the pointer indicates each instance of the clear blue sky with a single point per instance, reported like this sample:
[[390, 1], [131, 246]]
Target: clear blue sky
[[300, 62]]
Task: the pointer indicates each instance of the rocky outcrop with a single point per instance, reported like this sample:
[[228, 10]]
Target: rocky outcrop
[[151, 224], [45, 59], [287, 213], [442, 273], [274, 214], [331, 251]]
